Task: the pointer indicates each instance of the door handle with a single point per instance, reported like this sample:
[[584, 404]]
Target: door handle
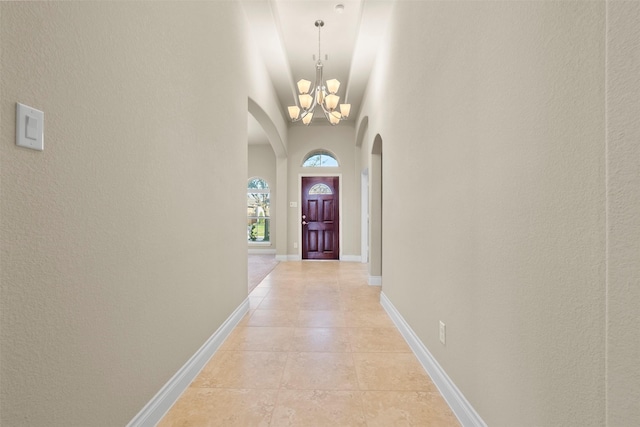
[[304, 223]]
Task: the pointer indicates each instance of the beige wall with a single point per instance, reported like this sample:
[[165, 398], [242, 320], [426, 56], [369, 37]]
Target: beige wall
[[623, 214], [495, 219], [112, 269], [339, 140], [494, 199], [262, 163]]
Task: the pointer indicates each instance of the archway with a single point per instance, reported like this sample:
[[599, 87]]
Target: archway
[[375, 212], [363, 128], [279, 148], [267, 159]]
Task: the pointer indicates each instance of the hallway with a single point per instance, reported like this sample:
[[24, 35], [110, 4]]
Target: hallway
[[315, 349]]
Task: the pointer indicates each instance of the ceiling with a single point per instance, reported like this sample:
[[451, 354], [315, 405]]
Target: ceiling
[[285, 33]]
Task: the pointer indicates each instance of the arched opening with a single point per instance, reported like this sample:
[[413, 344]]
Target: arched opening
[[266, 194], [361, 135], [278, 184], [375, 212]]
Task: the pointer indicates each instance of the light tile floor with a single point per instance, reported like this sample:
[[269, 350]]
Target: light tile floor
[[315, 349]]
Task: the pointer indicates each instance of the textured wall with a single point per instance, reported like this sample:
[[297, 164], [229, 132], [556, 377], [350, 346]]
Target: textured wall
[[623, 191], [493, 130], [123, 243]]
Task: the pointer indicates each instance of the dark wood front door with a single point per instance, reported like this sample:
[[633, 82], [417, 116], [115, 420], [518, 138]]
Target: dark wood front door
[[320, 218]]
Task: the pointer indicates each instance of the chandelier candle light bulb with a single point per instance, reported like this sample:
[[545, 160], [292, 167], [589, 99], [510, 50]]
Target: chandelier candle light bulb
[[324, 96]]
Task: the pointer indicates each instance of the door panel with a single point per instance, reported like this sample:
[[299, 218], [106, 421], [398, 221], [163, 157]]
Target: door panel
[[328, 241], [328, 210], [312, 241], [312, 210], [320, 218]]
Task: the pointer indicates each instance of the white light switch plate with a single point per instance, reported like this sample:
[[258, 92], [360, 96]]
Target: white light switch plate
[[29, 127]]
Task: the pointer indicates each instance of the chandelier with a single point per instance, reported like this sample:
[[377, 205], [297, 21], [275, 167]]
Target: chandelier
[[319, 95]]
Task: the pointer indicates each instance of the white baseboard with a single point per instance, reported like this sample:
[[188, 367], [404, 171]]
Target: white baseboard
[[258, 251], [158, 406], [460, 406], [375, 280], [345, 258], [287, 258]]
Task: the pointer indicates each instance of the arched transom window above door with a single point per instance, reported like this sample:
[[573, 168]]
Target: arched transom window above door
[[320, 159], [320, 189]]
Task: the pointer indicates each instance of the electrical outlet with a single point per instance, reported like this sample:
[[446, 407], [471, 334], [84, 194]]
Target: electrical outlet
[[295, 245], [443, 333]]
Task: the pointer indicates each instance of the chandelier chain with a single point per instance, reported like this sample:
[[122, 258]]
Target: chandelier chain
[[319, 27]]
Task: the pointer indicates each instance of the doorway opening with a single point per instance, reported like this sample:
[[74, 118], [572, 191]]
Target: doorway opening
[[375, 212], [320, 217]]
